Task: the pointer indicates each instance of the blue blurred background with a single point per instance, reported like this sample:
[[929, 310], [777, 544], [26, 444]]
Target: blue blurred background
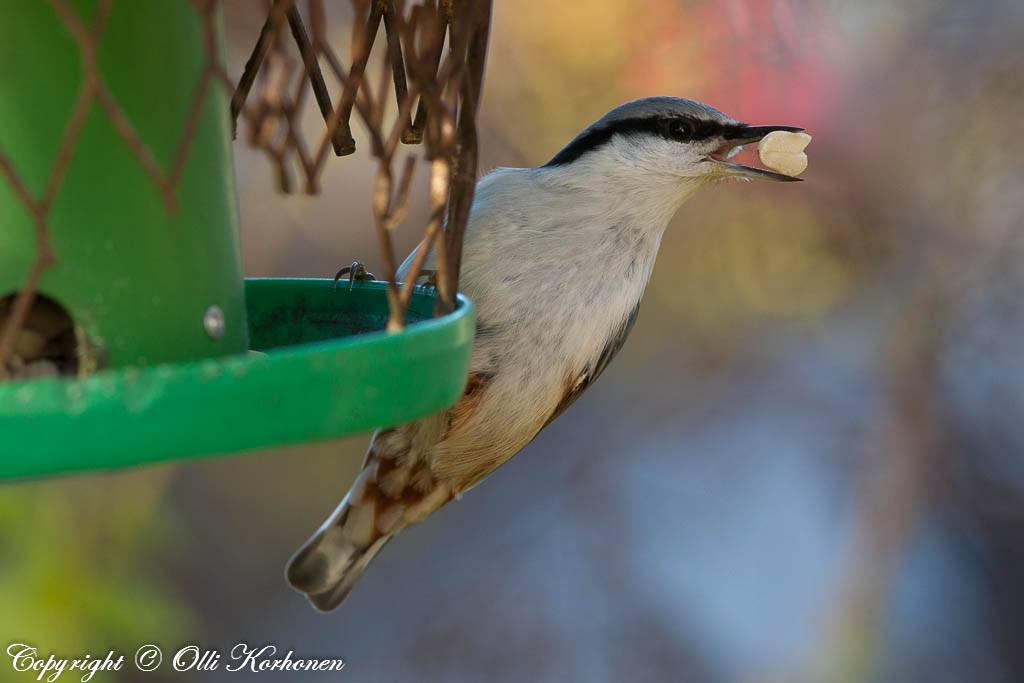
[[806, 464]]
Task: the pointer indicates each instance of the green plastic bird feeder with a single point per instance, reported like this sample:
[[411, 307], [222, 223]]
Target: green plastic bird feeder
[[155, 299]]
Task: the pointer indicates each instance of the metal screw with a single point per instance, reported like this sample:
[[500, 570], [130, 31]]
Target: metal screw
[[213, 322]]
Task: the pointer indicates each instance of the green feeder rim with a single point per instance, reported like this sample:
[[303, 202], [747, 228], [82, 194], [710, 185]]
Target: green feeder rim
[[327, 369]]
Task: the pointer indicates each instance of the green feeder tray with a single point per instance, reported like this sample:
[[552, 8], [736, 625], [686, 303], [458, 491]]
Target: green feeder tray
[[327, 369]]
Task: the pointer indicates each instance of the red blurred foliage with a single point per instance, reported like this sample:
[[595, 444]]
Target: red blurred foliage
[[764, 62]]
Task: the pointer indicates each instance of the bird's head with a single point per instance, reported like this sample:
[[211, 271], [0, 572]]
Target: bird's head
[[664, 140]]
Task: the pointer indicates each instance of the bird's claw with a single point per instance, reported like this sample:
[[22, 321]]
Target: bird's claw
[[356, 271]]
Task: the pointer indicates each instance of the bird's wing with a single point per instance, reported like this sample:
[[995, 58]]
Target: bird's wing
[[428, 263], [577, 384], [474, 445]]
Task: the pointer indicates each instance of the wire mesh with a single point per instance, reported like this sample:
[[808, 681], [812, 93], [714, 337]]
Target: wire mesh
[[441, 87]]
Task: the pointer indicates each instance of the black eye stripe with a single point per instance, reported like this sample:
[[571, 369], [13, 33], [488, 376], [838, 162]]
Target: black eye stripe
[[663, 126]]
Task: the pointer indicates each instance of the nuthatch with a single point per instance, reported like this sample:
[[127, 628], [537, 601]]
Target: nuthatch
[[556, 259]]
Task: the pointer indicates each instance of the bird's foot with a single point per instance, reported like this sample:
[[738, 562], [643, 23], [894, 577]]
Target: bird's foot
[[356, 271]]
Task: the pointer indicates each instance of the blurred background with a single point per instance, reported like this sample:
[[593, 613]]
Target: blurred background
[[807, 463]]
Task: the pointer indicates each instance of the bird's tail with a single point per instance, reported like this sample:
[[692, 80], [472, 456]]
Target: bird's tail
[[328, 565], [392, 491]]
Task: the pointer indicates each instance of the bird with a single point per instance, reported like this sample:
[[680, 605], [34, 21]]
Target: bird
[[556, 259]]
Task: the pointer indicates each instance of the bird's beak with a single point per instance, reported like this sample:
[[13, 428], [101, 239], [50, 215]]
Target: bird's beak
[[742, 135]]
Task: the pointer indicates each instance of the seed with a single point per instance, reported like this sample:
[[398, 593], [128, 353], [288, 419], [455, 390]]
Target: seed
[[784, 152]]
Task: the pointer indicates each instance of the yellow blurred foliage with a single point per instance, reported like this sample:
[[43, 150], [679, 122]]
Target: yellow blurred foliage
[[585, 84], [754, 258]]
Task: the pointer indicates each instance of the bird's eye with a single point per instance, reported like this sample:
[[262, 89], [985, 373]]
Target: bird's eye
[[679, 130]]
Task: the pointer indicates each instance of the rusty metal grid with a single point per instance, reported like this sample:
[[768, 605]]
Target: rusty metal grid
[[437, 91]]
